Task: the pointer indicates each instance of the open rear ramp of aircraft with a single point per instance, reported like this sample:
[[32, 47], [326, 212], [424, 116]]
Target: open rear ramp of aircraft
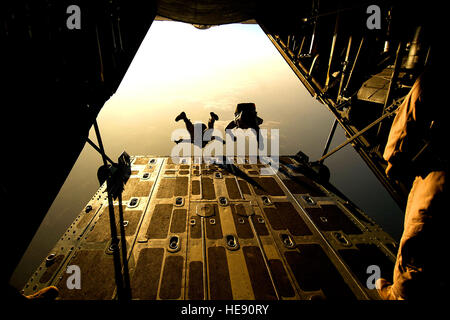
[[211, 232]]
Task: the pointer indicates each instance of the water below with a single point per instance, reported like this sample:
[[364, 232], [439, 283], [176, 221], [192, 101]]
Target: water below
[[180, 68]]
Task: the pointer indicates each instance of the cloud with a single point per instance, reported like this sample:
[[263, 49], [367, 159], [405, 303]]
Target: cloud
[[221, 124], [271, 124], [225, 104]]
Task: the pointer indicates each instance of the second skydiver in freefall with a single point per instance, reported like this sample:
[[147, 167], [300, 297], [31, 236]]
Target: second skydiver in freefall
[[246, 117]]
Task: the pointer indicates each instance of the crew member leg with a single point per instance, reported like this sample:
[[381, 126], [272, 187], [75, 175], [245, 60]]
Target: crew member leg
[[416, 271]]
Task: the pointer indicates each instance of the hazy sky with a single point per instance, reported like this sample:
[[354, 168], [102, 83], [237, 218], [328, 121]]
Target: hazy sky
[[179, 67]]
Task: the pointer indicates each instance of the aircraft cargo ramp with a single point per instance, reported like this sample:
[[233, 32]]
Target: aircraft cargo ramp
[[220, 232]]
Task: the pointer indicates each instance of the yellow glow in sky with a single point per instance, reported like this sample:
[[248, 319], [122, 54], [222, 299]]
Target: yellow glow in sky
[[181, 68]]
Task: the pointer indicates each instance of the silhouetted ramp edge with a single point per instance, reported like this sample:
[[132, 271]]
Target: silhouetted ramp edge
[[51, 269], [263, 243]]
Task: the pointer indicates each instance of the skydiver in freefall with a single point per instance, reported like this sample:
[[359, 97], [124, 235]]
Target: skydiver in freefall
[[202, 127], [245, 117]]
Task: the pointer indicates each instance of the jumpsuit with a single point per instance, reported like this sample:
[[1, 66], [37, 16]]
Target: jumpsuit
[[419, 271]]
